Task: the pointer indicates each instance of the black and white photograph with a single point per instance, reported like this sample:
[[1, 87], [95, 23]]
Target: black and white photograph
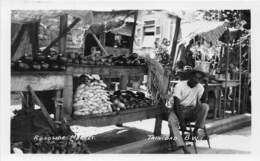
[[130, 81]]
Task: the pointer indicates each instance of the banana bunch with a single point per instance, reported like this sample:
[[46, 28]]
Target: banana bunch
[[92, 99]]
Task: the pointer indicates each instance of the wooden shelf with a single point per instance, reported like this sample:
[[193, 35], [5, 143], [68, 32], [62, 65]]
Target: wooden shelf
[[39, 73], [56, 80], [117, 118], [52, 80], [107, 70], [39, 81]]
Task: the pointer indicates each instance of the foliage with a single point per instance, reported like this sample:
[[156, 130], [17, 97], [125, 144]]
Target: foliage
[[236, 18], [54, 144], [161, 51]]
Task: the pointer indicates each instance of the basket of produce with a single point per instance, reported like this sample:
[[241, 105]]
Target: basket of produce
[[92, 99]]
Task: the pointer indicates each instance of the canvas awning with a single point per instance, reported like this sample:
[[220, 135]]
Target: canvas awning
[[125, 30], [87, 17], [208, 30]]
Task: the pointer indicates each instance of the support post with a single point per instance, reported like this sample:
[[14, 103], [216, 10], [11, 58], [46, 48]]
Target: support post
[[133, 32], [175, 39], [68, 97], [123, 82], [58, 105], [226, 74], [33, 34], [158, 125], [240, 81], [63, 26], [17, 40]]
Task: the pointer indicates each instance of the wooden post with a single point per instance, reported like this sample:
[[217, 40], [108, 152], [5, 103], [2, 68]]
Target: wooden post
[[220, 104], [226, 75], [33, 30], [68, 97], [239, 89], [234, 99], [175, 39], [58, 108], [133, 32], [158, 125], [17, 40], [123, 82], [249, 70], [217, 92], [63, 26], [249, 55], [245, 93]]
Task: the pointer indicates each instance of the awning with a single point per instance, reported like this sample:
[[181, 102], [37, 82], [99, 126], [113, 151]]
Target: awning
[[210, 31], [125, 30], [87, 17]]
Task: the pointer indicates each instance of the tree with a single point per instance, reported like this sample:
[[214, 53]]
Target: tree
[[236, 18]]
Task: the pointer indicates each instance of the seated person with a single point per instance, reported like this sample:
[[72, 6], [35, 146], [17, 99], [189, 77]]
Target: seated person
[[188, 106]]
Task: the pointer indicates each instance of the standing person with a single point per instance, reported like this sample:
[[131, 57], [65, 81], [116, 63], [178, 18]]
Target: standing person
[[188, 105]]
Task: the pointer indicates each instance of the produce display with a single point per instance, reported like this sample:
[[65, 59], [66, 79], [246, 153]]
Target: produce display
[[125, 100], [110, 60], [91, 98], [58, 62], [40, 62]]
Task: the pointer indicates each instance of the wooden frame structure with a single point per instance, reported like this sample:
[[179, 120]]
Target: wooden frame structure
[[62, 82]]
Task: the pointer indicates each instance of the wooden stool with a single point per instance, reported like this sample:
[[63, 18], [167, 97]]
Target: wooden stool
[[192, 138]]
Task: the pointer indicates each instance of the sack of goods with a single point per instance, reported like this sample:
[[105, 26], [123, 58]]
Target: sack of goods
[[91, 98]]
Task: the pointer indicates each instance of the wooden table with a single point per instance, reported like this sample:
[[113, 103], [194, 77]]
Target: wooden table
[[114, 118], [122, 72], [43, 81]]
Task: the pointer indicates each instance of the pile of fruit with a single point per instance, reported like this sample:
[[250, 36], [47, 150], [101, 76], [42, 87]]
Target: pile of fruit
[[54, 61], [125, 100], [40, 62], [91, 98]]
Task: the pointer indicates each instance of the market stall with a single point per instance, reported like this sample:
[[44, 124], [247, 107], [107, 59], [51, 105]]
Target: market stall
[[48, 70], [212, 45]]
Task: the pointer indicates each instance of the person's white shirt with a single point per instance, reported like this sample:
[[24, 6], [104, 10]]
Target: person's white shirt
[[188, 96]]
